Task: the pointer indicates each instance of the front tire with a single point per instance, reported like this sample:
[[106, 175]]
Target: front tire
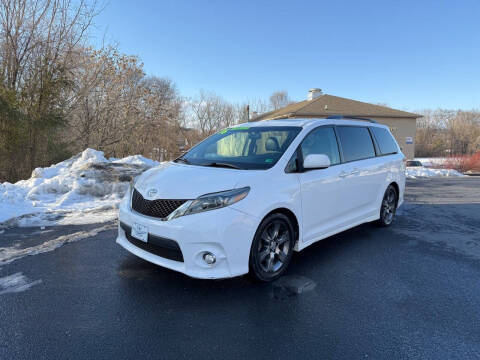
[[388, 208], [272, 248]]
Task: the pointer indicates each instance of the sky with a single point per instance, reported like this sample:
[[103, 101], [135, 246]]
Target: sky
[[410, 55]]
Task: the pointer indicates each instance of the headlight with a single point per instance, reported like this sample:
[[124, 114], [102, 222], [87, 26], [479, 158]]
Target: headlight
[[210, 202], [128, 194]]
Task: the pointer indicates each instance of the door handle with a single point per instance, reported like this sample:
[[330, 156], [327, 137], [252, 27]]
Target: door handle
[[354, 172], [342, 174]]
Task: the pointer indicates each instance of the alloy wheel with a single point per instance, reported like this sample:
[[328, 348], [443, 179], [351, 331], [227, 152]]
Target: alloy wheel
[[389, 204], [274, 247]]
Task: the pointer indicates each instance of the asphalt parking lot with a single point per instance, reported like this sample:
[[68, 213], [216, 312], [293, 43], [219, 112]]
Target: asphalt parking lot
[[411, 291]]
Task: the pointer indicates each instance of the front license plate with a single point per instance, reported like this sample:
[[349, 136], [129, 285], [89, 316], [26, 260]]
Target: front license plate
[[140, 232]]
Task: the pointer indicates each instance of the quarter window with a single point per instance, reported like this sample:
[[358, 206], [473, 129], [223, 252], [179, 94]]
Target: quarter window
[[322, 141], [292, 165], [356, 143], [385, 141]]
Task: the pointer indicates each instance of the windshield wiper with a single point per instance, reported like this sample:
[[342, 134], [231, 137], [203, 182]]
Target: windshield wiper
[[224, 165], [182, 160]]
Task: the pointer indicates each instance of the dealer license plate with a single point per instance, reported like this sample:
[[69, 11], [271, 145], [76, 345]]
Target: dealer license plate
[[140, 232]]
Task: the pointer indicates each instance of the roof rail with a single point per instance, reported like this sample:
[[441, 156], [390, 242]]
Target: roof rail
[[341, 117]]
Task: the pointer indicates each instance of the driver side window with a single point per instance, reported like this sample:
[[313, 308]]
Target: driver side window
[[322, 141]]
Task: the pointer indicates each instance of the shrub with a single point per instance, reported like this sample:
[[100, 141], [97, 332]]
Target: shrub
[[463, 163]]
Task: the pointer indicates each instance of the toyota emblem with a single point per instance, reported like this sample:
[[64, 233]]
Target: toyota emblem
[[152, 192]]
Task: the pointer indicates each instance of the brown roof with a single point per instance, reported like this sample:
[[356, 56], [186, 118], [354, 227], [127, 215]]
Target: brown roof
[[329, 105]]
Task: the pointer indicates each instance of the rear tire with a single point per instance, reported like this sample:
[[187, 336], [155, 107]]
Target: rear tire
[[388, 208], [272, 248]]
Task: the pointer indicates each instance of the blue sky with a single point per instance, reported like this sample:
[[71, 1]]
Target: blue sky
[[408, 54]]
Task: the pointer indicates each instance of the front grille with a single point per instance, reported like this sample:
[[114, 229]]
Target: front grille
[[160, 208], [155, 245]]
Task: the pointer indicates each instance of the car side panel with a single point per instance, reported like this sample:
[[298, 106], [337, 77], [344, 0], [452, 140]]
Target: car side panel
[[364, 180], [395, 171], [324, 201]]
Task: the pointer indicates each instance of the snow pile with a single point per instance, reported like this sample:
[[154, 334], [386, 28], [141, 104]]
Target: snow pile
[[412, 172], [136, 160], [83, 189]]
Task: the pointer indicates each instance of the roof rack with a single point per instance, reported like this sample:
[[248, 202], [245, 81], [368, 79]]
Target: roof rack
[[341, 117]]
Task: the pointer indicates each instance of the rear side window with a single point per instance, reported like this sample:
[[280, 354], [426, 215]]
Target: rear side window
[[385, 141], [322, 141], [356, 143]]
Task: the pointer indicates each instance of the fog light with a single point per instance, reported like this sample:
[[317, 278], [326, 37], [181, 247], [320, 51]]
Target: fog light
[[209, 258]]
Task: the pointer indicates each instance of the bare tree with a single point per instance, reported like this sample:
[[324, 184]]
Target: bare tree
[[209, 113], [39, 35], [256, 106], [279, 99], [447, 132], [38, 39], [115, 108], [105, 97], [159, 128]]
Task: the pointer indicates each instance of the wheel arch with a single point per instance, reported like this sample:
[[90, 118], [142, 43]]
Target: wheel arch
[[397, 189], [252, 263], [292, 217], [384, 188]]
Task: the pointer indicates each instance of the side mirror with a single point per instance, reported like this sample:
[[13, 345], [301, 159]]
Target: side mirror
[[316, 161]]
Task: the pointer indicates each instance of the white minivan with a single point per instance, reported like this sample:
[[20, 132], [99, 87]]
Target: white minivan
[[245, 198]]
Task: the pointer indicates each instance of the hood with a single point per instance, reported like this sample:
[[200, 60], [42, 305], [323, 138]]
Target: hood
[[179, 181]]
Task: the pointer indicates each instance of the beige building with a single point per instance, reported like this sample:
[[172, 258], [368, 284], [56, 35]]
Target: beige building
[[401, 123]]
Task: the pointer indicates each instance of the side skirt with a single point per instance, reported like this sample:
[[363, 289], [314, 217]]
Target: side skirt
[[301, 246]]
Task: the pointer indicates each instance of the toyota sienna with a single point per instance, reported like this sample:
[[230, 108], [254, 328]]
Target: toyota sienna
[[244, 199]]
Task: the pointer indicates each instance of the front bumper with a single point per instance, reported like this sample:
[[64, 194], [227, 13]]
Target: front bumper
[[227, 233]]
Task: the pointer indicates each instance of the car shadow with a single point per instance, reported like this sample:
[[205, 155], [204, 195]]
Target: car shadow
[[136, 273]]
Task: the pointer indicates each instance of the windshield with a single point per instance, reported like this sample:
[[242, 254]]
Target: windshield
[[242, 147]]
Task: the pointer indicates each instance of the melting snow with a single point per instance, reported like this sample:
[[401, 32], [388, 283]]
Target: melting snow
[[86, 188], [8, 255], [16, 283]]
